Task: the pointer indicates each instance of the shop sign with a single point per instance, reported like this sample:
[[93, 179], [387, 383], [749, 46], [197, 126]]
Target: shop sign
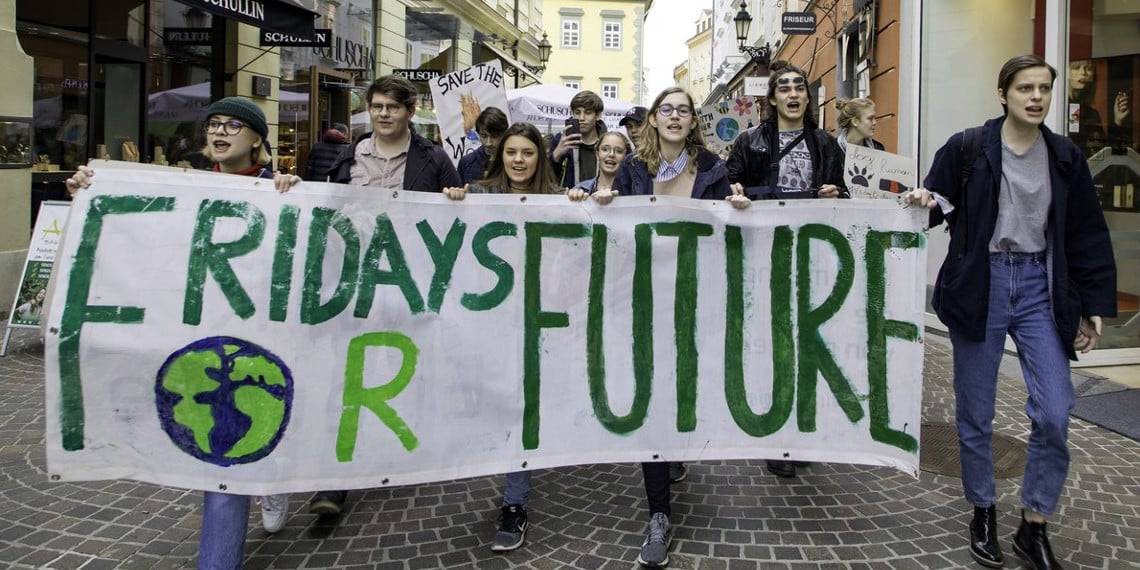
[[418, 74], [278, 15], [798, 23], [188, 36], [348, 55], [321, 38]]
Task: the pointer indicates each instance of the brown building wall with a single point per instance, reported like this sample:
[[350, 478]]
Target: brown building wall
[[831, 18]]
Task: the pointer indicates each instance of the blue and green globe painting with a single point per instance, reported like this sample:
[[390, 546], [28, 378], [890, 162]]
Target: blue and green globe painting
[[224, 400], [727, 129]]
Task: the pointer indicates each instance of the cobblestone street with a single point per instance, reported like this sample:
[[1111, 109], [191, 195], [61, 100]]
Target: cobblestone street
[[728, 515]]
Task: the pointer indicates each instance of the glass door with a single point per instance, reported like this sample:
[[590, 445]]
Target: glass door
[[116, 97]]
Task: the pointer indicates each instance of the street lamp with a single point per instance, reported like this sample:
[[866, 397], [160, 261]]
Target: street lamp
[[543, 51], [743, 21]]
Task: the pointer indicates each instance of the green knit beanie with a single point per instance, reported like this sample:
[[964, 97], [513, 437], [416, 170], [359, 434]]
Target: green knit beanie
[[243, 109]]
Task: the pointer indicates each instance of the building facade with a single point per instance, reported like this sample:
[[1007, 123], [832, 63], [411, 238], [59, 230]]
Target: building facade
[[700, 57], [681, 76], [597, 46]]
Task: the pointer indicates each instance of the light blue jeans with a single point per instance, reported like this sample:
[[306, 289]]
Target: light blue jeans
[[221, 544], [517, 490], [1018, 305]]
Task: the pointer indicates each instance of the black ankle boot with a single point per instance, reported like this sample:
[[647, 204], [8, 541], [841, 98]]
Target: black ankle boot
[[983, 538], [1032, 545]]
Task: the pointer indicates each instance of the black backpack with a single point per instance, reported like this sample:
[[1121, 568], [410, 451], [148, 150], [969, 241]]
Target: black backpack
[[968, 153]]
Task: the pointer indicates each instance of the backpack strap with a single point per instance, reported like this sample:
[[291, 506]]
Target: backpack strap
[[967, 155]]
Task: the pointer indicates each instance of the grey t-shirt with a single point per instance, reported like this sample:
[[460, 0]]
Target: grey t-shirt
[[1023, 201], [795, 167]]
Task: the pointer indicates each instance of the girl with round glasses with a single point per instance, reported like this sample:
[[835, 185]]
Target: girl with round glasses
[[236, 135]]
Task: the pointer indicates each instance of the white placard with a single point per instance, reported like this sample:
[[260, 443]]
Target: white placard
[[334, 338], [459, 97], [722, 122], [871, 173]]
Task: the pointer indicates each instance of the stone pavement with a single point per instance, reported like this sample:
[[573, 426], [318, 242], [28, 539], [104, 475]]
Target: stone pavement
[[729, 514]]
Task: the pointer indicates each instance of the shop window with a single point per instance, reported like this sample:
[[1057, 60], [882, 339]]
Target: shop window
[[60, 94], [178, 87], [1103, 79]]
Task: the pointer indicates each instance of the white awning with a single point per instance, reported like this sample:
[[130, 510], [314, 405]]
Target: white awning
[[512, 62]]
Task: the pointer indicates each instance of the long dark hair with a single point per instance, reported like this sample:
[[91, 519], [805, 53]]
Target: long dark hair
[[543, 180], [775, 70], [649, 151]]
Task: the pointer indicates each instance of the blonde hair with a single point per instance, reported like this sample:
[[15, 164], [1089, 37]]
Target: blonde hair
[[259, 154], [849, 110], [649, 151]]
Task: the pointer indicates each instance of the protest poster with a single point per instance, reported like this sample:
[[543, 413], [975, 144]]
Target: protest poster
[[29, 302], [872, 173], [263, 342], [459, 97], [722, 122]]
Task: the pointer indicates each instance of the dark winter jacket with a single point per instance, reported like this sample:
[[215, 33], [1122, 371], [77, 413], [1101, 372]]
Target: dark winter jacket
[[564, 169], [751, 163], [473, 165], [322, 156], [1081, 263], [711, 183], [428, 168]]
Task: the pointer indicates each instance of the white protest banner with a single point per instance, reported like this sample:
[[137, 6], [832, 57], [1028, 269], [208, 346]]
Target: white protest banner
[[722, 122], [871, 173], [28, 304], [333, 337], [459, 97]]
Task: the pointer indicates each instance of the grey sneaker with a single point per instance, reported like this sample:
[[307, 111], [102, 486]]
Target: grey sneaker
[[512, 529], [677, 471], [655, 549], [274, 512]]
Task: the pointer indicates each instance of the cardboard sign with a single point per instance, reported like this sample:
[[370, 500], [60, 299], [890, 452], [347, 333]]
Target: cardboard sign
[[871, 173], [722, 122], [459, 97]]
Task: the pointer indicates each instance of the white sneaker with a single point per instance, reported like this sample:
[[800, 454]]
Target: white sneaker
[[274, 511]]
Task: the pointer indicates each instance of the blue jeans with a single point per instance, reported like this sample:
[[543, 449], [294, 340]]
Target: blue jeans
[[1020, 306], [518, 488], [221, 544]]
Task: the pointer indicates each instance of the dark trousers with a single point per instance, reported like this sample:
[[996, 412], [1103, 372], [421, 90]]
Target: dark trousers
[[657, 487]]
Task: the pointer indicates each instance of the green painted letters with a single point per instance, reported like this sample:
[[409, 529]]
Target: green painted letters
[[497, 265], [312, 311], [283, 263], [76, 312], [783, 344], [535, 319], [685, 316], [815, 356], [207, 256], [375, 399], [443, 256], [879, 328], [385, 243]]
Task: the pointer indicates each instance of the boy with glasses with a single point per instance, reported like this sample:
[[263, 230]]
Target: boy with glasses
[[393, 155]]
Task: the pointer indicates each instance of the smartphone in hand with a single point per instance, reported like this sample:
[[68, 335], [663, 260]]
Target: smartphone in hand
[[573, 127]]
